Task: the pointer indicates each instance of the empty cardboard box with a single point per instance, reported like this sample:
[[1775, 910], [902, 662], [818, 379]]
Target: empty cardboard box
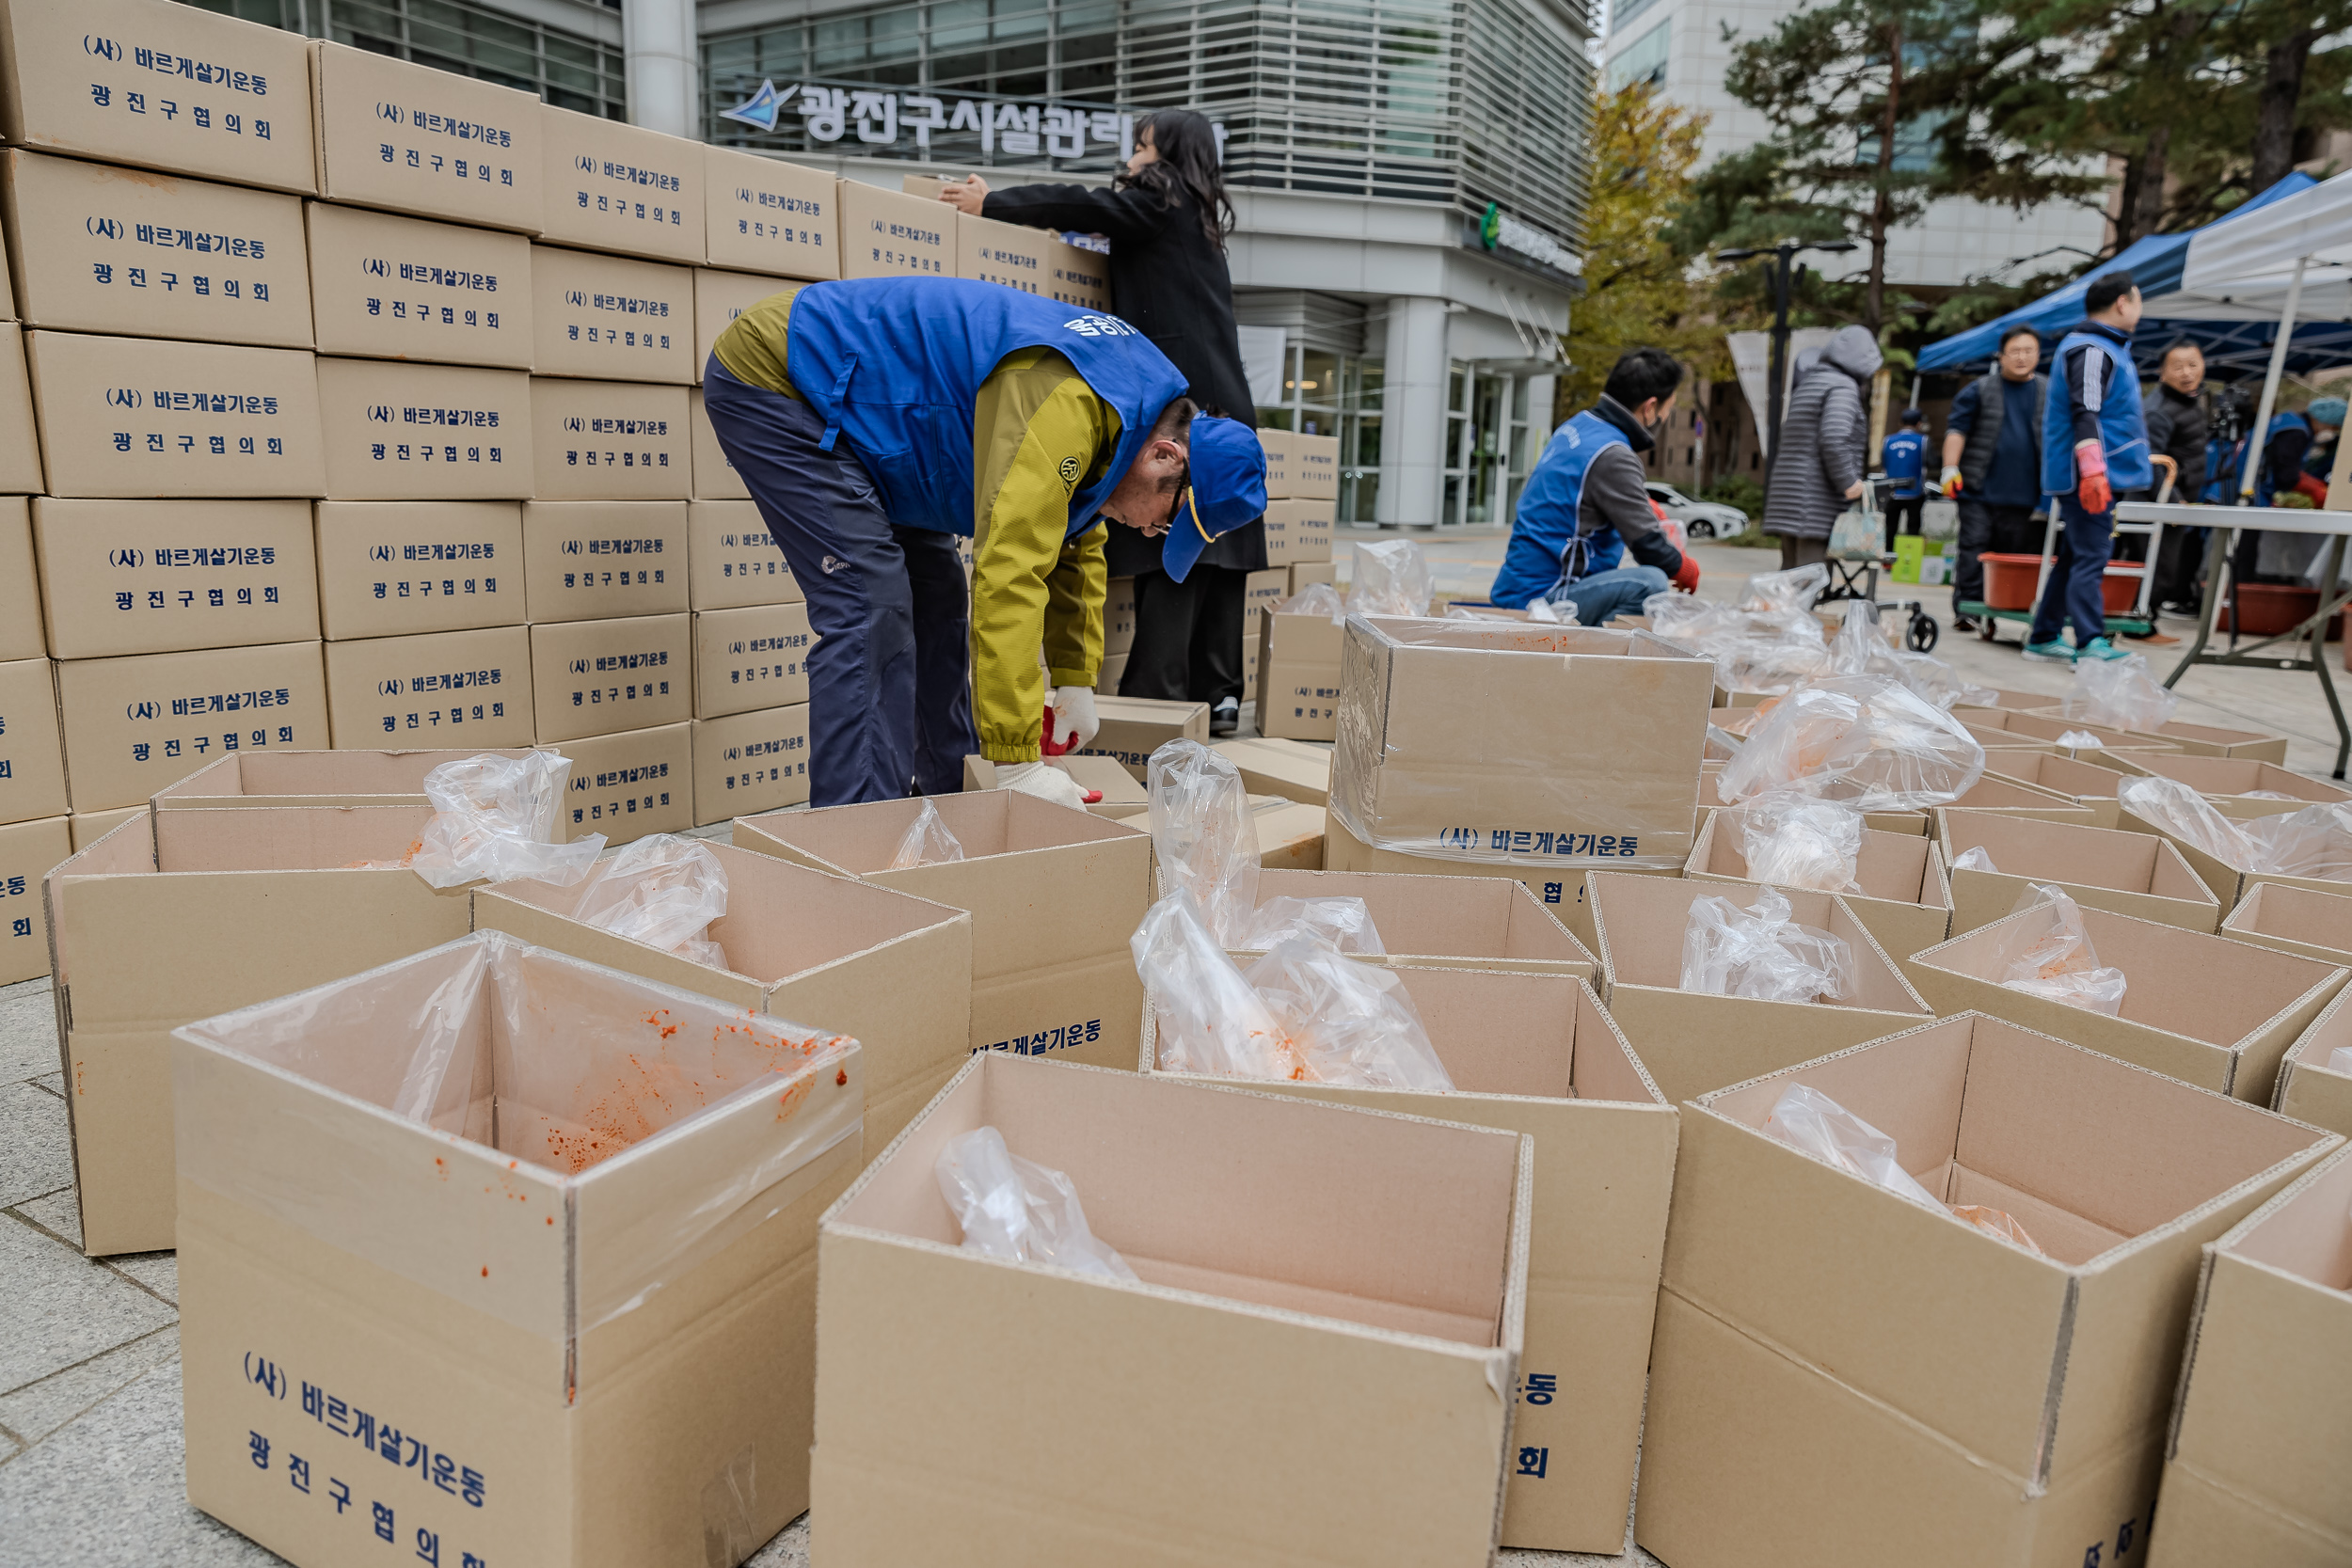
[[611, 186], [385, 287], [313, 779], [630, 784], [766, 216], [135, 724], [1134, 727], [1482, 923], [2226, 782], [2314, 1083], [399, 568], [610, 318], [151, 576], [599, 561], [2295, 920], [2013, 795], [2205, 740], [2086, 784], [407, 138], [397, 430], [610, 441], [2136, 874], [1904, 897], [441, 688], [597, 677], [751, 762], [136, 417]]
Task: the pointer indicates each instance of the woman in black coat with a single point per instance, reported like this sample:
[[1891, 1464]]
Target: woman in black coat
[[1166, 216]]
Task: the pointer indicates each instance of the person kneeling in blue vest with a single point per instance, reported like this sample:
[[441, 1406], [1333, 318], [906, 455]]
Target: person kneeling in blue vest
[[876, 419], [1587, 505]]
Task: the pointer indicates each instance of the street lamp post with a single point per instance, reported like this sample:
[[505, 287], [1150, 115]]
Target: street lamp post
[[1783, 256]]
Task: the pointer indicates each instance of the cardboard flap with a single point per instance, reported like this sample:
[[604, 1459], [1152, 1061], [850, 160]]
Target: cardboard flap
[[2225, 776], [1469, 917], [2058, 851], [314, 773], [297, 838], [2301, 920]]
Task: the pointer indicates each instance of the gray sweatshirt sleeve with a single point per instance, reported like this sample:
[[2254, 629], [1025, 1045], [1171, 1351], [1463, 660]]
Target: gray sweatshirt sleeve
[[1617, 494]]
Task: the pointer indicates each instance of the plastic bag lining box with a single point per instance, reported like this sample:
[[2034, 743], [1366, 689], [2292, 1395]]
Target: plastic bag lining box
[[1053, 894], [1316, 1366], [1906, 898], [2309, 1088], [2207, 1010], [2227, 781], [1843, 1377], [2088, 785], [1914, 824], [1692, 1043], [575, 1358], [2253, 1466], [1535, 1054], [834, 952], [1499, 742], [2136, 874], [215, 909], [1483, 923], [316, 779]]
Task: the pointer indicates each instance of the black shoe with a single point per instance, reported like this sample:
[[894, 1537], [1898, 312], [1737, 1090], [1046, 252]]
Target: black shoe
[[1225, 719], [1961, 623]]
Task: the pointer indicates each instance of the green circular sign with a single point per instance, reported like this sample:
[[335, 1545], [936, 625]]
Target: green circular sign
[[1490, 225]]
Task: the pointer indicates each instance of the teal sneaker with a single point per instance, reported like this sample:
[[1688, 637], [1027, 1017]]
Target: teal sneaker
[[2056, 651], [2100, 648]]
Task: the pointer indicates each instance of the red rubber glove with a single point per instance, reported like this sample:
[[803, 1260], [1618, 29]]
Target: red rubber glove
[[1687, 578], [2090, 465]]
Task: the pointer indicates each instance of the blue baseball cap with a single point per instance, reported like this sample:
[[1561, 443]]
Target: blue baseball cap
[[1226, 490]]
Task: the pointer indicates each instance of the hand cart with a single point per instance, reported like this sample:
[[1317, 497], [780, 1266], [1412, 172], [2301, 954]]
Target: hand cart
[[2139, 621], [1854, 575]]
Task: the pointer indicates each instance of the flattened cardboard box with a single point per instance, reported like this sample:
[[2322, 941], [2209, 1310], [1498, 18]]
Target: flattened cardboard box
[[412, 432], [159, 87], [768, 216], [609, 318], [1359, 1286], [1012, 253], [715, 478], [277, 780], [749, 658], [144, 577], [1053, 894], [888, 235], [248, 905], [719, 298], [2251, 1470], [409, 138], [396, 288], [1904, 900], [21, 633], [1537, 1055], [599, 677], [140, 417], [401, 568], [732, 561], [441, 688], [99, 249], [32, 746], [1844, 1377], [134, 725], [596, 561], [1134, 727], [27, 851], [612, 186], [1284, 768], [630, 784], [748, 763], [610, 441], [2136, 874]]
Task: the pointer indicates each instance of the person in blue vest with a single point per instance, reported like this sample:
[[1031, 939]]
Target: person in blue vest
[[874, 421], [1904, 456], [2094, 444], [1586, 505]]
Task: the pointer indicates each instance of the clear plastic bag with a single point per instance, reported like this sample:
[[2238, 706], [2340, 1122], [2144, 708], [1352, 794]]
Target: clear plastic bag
[[1204, 835], [2173, 806], [1773, 666], [1343, 924], [1975, 858], [1865, 740], [1316, 598], [1761, 952], [1861, 647], [2052, 958], [1937, 682], [2079, 740], [1812, 1123], [494, 818], [1677, 617], [1795, 588], [1209, 1019], [1999, 1223], [1020, 1211], [663, 890], [927, 843], [1793, 840], [1541, 610], [2313, 842], [2120, 694], [1390, 577], [1350, 1024], [2340, 1060]]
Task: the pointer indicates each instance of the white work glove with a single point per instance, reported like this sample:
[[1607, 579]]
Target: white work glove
[[1949, 486], [1047, 783], [1074, 720]]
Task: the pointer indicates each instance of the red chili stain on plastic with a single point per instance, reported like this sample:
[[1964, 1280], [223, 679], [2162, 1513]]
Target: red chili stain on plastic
[[842, 1077], [551, 1219], [485, 1271], [441, 1166]]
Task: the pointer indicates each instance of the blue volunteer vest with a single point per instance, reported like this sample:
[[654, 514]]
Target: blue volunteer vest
[[894, 366], [1543, 530], [2122, 427]]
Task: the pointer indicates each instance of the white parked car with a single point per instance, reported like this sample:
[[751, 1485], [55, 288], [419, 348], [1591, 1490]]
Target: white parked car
[[1700, 519]]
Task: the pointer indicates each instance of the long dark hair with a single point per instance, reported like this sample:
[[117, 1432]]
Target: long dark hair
[[1188, 165]]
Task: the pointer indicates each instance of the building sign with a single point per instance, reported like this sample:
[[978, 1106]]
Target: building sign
[[879, 117], [1499, 231]]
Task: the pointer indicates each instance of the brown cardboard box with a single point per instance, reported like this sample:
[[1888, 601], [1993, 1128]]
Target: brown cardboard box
[[1537, 1055], [99, 249], [600, 677], [1076, 275], [104, 80], [1298, 676], [714, 475], [2134, 874], [1564, 892], [889, 234], [2315, 1086], [827, 952], [1012, 253], [612, 186], [751, 762], [610, 441], [1377, 1266], [719, 298], [2086, 784], [595, 560], [1284, 768], [353, 1245], [393, 288], [749, 658], [1134, 727], [1306, 572], [275, 780], [1315, 467], [28, 850], [2226, 782], [2228, 1011], [20, 442], [768, 216], [1277, 464], [32, 747], [215, 909], [134, 725], [1118, 616], [731, 559], [1122, 797], [398, 568], [1261, 593], [2008, 796], [1692, 1043], [2249, 1471], [21, 633], [414, 432], [1290, 835], [2048, 728], [1054, 894], [119, 417], [156, 577], [460, 148], [1905, 899], [2230, 884], [1495, 740], [441, 688], [1281, 526], [2294, 919], [1489, 924], [2204, 741], [90, 827], [1106, 679], [1308, 526], [1844, 1377], [610, 318], [630, 784]]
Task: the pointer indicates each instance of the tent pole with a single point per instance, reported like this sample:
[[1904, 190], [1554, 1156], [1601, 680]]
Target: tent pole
[[2259, 437]]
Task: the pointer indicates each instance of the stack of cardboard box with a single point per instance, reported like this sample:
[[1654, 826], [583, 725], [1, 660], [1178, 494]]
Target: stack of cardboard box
[[1292, 667]]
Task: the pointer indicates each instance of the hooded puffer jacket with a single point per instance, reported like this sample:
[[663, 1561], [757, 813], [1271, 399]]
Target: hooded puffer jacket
[[1823, 438]]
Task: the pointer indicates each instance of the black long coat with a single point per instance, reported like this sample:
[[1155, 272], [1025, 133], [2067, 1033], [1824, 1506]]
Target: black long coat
[[1169, 281]]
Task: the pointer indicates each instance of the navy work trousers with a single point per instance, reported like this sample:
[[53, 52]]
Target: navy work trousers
[[2076, 589], [889, 699]]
